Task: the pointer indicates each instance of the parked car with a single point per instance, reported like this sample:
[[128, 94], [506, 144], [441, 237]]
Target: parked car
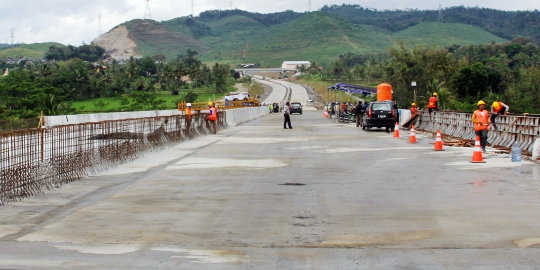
[[296, 107], [380, 114]]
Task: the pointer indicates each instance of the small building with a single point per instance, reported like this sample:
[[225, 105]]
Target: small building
[[295, 64]]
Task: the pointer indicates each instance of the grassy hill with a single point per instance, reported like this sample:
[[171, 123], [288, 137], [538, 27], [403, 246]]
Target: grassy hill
[[446, 34], [36, 50], [314, 36]]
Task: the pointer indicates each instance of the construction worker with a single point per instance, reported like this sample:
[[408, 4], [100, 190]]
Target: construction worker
[[480, 119], [358, 113], [271, 106], [188, 115], [432, 104], [498, 108], [414, 110], [212, 116]]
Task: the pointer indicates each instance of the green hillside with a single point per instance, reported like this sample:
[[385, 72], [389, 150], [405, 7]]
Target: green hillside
[[446, 34], [36, 50], [315, 36]]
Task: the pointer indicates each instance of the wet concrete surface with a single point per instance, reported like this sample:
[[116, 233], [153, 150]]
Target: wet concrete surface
[[324, 195]]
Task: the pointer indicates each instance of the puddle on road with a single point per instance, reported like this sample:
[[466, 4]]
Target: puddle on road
[[103, 249], [206, 256], [292, 184]]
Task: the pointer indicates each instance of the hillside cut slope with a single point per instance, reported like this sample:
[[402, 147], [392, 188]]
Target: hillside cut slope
[[118, 43]]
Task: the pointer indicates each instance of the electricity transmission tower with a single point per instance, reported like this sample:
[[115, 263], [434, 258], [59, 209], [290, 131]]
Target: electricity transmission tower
[[147, 14], [440, 14], [12, 36], [192, 10], [309, 5], [100, 31]]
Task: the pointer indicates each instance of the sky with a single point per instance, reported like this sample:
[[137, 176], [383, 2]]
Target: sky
[[77, 21]]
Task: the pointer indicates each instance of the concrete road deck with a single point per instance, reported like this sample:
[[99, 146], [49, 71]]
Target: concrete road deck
[[321, 196]]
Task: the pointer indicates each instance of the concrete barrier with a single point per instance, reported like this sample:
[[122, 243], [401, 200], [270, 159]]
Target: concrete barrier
[[233, 117], [511, 128]]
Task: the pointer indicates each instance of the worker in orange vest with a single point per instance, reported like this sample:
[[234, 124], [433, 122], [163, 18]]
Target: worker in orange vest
[[212, 116], [498, 108], [414, 110], [432, 104], [480, 119], [188, 115]]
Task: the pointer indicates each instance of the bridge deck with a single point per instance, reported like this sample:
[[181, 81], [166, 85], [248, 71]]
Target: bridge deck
[[322, 196]]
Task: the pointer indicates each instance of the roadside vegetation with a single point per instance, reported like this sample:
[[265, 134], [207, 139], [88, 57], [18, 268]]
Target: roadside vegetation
[[72, 86], [461, 75]]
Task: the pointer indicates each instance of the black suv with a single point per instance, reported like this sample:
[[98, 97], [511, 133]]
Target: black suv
[[380, 114], [296, 107]]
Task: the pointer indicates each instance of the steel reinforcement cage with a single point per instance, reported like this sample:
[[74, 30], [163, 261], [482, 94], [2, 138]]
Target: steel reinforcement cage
[[32, 160]]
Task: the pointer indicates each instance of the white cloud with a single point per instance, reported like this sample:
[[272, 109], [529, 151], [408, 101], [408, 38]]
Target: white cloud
[[75, 21]]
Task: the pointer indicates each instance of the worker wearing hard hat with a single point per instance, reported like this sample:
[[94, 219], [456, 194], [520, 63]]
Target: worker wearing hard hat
[[188, 116], [480, 119], [432, 104], [414, 110], [212, 116], [498, 108]]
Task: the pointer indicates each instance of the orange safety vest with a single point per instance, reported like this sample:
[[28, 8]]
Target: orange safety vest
[[432, 103], [482, 117], [500, 107], [188, 113], [414, 110], [213, 114]]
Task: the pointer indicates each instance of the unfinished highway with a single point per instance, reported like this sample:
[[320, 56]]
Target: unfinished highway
[[255, 196]]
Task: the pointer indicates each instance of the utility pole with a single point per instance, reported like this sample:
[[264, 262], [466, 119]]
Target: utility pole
[[440, 14], [99, 27], [147, 14]]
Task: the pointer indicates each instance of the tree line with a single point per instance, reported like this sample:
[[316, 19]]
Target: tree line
[[461, 75], [51, 86], [506, 24]]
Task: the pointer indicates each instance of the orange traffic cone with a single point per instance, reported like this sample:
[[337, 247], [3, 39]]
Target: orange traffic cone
[[325, 114], [477, 155], [438, 142], [396, 130], [412, 138]]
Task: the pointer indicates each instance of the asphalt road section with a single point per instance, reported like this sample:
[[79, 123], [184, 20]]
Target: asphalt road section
[[323, 195]]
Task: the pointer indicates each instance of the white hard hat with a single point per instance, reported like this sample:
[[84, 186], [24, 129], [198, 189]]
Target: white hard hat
[[189, 104]]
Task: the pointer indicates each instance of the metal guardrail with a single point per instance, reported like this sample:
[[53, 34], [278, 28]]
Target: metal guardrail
[[201, 106], [511, 128], [36, 159]]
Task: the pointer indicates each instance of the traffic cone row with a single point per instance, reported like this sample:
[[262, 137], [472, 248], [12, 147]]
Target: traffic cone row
[[477, 155], [438, 142]]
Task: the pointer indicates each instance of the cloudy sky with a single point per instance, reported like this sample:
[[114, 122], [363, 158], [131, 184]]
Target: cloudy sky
[[77, 21]]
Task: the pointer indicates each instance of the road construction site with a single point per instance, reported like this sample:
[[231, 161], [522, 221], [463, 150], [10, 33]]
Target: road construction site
[[324, 195]]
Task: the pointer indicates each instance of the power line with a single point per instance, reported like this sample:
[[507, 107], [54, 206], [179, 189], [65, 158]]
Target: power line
[[100, 30]]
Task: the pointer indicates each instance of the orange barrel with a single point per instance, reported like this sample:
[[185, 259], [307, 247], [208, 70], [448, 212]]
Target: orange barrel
[[384, 92]]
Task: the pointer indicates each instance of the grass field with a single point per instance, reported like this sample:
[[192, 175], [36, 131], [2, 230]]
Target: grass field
[[36, 50], [113, 104], [444, 34]]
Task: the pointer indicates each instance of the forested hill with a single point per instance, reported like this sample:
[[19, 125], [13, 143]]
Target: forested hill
[[505, 24]]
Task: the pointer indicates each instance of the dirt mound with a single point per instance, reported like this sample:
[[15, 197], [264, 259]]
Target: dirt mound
[[118, 43]]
